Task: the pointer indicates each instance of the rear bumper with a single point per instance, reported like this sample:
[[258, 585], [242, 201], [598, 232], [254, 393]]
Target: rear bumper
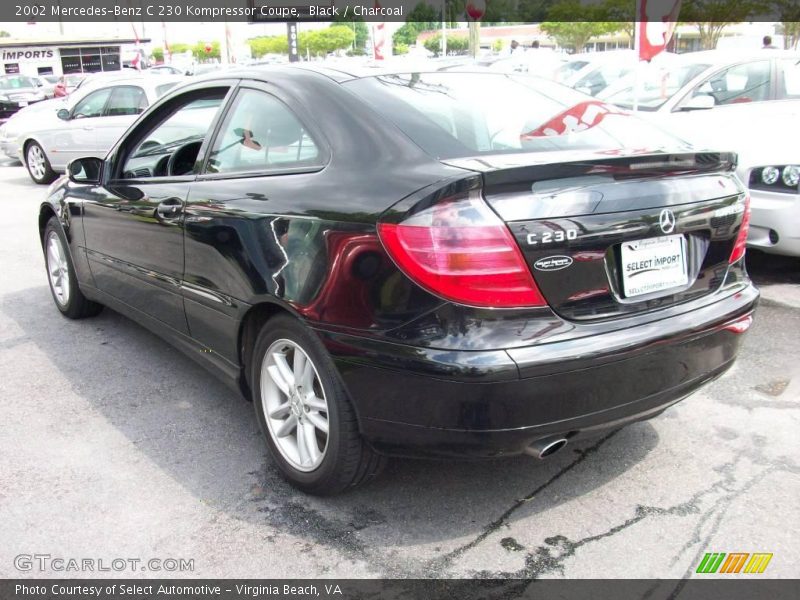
[[422, 401], [777, 212]]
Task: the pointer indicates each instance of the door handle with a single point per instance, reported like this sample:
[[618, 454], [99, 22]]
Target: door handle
[[87, 127], [169, 208]]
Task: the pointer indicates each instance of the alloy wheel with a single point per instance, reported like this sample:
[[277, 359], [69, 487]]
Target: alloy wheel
[[295, 405], [57, 269], [36, 161]]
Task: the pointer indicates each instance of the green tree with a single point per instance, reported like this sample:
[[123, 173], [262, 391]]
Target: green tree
[[533, 11], [422, 18], [711, 17], [359, 29], [158, 54], [624, 13], [4, 33], [320, 42], [563, 25], [178, 48], [791, 33], [788, 13], [499, 11], [455, 43], [273, 44], [199, 50]]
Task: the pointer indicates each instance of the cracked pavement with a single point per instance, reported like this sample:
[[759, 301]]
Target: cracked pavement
[[116, 445]]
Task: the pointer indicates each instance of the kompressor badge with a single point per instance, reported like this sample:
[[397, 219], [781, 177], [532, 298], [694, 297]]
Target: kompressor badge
[[552, 263]]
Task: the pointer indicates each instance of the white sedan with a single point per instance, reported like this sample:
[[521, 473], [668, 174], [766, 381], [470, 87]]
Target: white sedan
[[92, 120], [746, 103]]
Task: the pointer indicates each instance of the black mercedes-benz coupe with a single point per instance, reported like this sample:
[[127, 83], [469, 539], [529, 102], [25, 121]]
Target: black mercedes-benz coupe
[[422, 264]]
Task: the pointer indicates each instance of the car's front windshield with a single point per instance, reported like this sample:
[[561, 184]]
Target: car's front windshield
[[656, 85]]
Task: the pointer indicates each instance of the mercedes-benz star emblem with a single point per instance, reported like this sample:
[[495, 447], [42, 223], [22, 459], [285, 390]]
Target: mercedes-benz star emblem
[[667, 221]]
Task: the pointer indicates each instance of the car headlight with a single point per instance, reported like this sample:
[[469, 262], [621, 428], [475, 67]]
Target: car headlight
[[769, 175], [791, 175], [776, 178]]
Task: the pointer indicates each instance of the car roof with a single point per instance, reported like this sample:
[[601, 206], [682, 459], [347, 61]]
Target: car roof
[[723, 57], [139, 80], [343, 72]]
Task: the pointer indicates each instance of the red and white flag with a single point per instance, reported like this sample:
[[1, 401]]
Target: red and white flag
[[378, 38], [656, 24]]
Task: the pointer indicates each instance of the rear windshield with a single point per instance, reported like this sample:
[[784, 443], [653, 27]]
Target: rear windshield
[[453, 115]]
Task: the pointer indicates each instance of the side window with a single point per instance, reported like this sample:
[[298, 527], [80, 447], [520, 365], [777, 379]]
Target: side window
[[126, 100], [92, 105], [170, 143], [747, 82], [790, 69], [261, 133]]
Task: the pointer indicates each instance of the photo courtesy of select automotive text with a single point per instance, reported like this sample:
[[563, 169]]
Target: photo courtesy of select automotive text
[[399, 299]]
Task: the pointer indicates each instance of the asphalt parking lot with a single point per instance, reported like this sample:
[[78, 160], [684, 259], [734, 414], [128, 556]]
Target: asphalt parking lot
[[113, 444]]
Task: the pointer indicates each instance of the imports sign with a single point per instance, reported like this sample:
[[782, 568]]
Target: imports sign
[[26, 54]]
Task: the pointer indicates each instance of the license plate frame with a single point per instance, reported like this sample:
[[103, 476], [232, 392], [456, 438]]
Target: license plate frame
[[653, 265]]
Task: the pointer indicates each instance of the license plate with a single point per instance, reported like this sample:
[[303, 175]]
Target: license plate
[[23, 103], [653, 265]]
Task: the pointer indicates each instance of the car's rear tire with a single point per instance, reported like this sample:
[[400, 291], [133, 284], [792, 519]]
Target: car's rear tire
[[38, 164], [61, 276], [304, 412]]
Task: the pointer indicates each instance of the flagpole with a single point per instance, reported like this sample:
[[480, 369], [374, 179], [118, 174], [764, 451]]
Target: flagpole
[[636, 48]]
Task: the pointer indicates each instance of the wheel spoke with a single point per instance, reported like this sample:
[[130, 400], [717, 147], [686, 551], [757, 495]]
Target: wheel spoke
[[281, 411], [286, 427], [302, 445], [277, 376], [298, 367], [279, 358], [310, 438], [318, 421], [312, 401]]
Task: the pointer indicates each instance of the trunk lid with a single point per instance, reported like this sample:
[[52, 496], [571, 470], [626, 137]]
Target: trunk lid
[[612, 235]]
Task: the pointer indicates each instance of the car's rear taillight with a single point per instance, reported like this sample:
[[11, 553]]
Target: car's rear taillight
[[741, 240], [460, 250]]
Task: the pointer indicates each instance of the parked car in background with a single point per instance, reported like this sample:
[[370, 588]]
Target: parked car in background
[[18, 91], [702, 81], [34, 116], [593, 72], [747, 103], [413, 263], [96, 115], [165, 70], [540, 62], [765, 135], [48, 84]]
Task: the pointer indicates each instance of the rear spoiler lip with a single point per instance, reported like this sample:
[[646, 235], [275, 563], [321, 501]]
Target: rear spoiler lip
[[646, 164]]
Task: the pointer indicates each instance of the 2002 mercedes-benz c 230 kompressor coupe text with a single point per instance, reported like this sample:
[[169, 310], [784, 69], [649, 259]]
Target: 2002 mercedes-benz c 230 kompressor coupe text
[[429, 263]]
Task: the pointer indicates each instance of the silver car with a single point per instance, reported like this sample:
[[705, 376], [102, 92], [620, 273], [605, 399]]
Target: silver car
[[94, 117]]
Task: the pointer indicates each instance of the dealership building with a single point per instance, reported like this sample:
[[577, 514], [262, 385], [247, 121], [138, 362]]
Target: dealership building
[[63, 56]]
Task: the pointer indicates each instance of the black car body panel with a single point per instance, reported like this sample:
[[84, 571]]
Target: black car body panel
[[198, 257]]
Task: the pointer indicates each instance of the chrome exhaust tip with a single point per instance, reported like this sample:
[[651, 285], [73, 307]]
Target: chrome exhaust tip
[[541, 449]]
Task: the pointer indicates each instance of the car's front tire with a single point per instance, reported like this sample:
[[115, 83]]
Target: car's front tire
[[61, 275], [38, 164], [304, 412]]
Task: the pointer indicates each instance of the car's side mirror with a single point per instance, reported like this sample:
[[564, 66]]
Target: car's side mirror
[[85, 170], [63, 114], [701, 102]]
